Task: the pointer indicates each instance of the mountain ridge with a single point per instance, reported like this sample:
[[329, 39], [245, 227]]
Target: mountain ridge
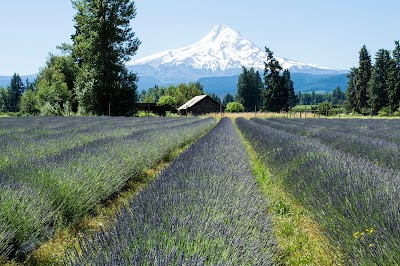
[[222, 52]]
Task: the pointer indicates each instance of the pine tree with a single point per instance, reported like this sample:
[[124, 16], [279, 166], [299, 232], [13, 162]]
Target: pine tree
[[394, 79], [215, 97], [228, 99], [379, 83], [273, 94], [289, 89], [363, 77], [15, 92], [103, 42], [4, 99], [313, 98], [249, 89], [337, 96], [351, 90]]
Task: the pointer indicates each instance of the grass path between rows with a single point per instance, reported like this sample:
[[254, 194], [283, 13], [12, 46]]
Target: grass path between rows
[[300, 239]]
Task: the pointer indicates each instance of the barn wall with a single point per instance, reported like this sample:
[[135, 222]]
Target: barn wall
[[205, 106]]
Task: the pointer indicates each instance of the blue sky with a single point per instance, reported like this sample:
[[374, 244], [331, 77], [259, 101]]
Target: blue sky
[[327, 33]]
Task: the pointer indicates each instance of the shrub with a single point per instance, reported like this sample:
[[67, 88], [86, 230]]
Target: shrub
[[385, 111], [324, 108], [234, 107]]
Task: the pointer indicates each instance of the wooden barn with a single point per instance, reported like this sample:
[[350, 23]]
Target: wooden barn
[[202, 104]]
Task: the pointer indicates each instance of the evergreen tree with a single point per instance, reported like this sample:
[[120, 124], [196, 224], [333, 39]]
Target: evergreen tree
[[228, 99], [289, 88], [394, 79], [242, 85], [103, 42], [338, 96], [363, 77], [351, 90], [15, 92], [4, 99], [249, 89], [313, 98], [215, 97], [273, 94], [29, 85], [379, 83]]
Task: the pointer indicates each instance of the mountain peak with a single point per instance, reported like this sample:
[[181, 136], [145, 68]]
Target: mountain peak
[[222, 52], [221, 49], [223, 31]]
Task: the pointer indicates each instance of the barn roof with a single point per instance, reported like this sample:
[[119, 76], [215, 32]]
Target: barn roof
[[192, 102]]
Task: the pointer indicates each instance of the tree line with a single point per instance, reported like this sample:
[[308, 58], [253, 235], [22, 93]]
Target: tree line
[[172, 96], [337, 97], [10, 96], [375, 88], [90, 77]]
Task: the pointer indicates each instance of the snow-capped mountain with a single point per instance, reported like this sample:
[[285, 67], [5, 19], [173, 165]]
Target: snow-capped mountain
[[222, 52]]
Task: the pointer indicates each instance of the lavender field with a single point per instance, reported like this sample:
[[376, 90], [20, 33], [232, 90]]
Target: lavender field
[[346, 172], [206, 207], [55, 170]]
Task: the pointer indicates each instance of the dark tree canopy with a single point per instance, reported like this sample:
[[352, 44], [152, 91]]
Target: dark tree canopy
[[181, 93], [394, 79], [15, 92], [215, 97], [363, 77], [378, 85], [103, 42], [228, 98], [278, 94], [375, 88], [249, 89], [351, 90]]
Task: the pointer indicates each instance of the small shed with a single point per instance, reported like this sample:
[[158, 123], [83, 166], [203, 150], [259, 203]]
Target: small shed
[[202, 104]]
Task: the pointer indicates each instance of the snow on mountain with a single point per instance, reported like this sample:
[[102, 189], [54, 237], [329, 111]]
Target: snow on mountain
[[222, 52]]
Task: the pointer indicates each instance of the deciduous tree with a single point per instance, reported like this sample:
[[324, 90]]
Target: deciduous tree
[[103, 43]]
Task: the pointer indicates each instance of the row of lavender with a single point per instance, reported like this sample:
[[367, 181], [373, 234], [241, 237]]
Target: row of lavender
[[377, 141], [354, 200], [28, 138], [204, 209], [54, 170]]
